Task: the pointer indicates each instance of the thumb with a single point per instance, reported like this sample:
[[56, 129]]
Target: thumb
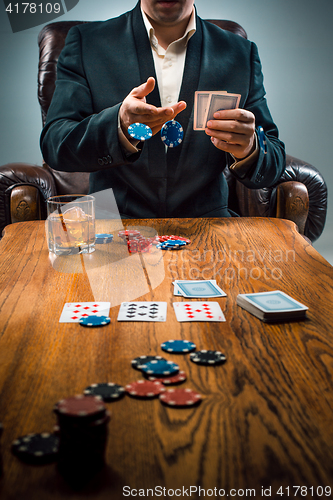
[[144, 89]]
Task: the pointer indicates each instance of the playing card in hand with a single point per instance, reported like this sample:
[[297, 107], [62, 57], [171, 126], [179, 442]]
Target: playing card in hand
[[206, 103]]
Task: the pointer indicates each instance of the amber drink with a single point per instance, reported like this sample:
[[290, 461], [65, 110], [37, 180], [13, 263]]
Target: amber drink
[[70, 224]]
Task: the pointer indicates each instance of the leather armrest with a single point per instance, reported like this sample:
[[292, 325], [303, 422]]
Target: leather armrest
[[300, 171], [23, 190]]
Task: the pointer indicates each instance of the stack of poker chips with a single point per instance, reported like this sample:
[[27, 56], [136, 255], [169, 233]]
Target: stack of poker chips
[[171, 242], [1, 470], [135, 241], [82, 422]]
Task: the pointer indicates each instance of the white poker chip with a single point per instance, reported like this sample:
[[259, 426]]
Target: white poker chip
[[140, 131]]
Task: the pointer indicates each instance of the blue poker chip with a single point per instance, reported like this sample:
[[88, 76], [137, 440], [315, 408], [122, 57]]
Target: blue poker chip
[[164, 246], [160, 367], [178, 346], [179, 243], [94, 321], [103, 238], [172, 134], [140, 131]]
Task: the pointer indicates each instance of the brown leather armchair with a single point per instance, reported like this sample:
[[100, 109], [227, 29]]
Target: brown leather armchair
[[300, 194]]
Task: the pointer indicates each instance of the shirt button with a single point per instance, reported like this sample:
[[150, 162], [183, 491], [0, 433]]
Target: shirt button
[[169, 98]]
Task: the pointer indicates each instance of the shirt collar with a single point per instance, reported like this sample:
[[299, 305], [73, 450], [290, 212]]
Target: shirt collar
[[190, 30]]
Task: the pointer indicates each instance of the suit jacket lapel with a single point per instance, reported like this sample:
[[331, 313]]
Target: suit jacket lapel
[[156, 148]]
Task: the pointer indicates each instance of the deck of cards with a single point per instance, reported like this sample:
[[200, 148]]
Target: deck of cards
[[206, 103], [272, 306]]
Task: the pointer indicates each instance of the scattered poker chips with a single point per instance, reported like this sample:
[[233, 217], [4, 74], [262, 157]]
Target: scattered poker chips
[[178, 346], [208, 357], [102, 238], [174, 379], [172, 133], [138, 362], [108, 392], [140, 131], [36, 448], [92, 321], [180, 397], [145, 389], [160, 367]]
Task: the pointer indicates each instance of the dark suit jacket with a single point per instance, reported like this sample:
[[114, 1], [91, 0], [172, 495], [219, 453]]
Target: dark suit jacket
[[100, 64]]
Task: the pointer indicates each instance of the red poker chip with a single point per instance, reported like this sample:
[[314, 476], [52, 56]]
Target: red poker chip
[[80, 406], [144, 389], [180, 397], [129, 233], [170, 380]]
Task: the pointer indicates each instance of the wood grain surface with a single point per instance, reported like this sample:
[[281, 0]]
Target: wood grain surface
[[266, 416]]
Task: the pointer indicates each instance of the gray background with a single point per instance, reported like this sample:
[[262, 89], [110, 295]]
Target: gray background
[[295, 40]]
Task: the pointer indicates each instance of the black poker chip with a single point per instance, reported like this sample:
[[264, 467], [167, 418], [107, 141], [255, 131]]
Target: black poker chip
[[137, 363], [208, 357], [107, 391], [36, 449], [178, 346], [172, 133]]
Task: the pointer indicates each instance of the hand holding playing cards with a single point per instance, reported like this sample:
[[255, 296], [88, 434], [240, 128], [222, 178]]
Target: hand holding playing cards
[[233, 131], [135, 109]]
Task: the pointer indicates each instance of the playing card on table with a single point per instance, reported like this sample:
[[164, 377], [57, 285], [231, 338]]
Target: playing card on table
[[199, 289], [142, 311], [207, 103], [198, 311], [74, 311]]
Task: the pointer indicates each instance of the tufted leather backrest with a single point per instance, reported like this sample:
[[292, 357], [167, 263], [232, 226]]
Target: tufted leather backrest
[[51, 41]]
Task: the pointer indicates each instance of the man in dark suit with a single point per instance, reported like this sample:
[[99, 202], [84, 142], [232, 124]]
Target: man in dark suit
[[145, 66]]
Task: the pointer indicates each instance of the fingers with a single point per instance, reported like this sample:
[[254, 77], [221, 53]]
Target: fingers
[[233, 131], [144, 89]]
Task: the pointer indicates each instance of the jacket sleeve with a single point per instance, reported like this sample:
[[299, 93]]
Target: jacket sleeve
[[76, 138], [268, 167]]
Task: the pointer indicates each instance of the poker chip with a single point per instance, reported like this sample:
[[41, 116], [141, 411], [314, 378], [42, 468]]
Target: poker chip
[[174, 379], [180, 238], [166, 246], [80, 406], [94, 321], [145, 389], [172, 133], [140, 131], [101, 238], [37, 448], [208, 357], [137, 363], [180, 397], [178, 346], [160, 367], [108, 392]]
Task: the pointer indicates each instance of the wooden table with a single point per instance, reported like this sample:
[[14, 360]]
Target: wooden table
[[266, 416]]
